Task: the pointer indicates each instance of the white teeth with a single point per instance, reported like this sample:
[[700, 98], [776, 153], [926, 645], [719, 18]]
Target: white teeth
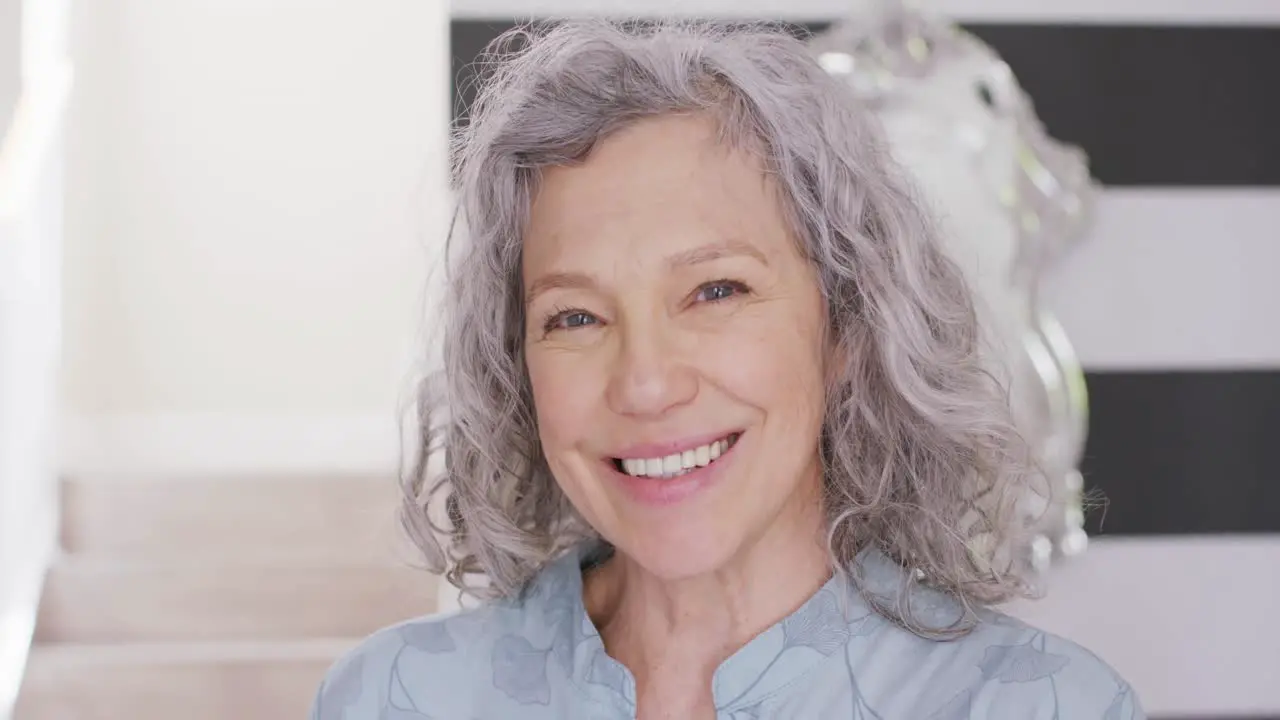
[[675, 464], [672, 463]]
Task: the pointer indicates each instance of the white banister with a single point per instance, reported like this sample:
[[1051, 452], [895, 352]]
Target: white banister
[[31, 156]]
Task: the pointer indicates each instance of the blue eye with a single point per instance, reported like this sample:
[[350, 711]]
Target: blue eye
[[720, 290], [568, 320], [577, 319]]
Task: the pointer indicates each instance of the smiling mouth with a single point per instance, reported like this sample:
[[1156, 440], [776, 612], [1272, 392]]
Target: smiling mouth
[[677, 464]]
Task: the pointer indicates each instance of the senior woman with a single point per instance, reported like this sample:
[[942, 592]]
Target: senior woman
[[714, 420]]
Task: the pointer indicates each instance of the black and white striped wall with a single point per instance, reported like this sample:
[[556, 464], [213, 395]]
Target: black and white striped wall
[[1173, 304]]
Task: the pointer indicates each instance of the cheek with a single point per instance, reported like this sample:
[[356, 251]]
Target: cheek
[[567, 410], [562, 403], [770, 359]]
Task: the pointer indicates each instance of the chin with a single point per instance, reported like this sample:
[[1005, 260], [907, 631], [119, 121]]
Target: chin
[[680, 555]]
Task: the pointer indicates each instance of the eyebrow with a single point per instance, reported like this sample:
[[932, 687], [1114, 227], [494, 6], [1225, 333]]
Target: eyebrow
[[685, 258], [716, 251], [558, 280]]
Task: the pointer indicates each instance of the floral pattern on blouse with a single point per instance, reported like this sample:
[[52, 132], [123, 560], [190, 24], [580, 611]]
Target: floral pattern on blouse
[[540, 658]]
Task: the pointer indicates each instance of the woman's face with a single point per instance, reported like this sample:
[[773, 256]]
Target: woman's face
[[675, 347]]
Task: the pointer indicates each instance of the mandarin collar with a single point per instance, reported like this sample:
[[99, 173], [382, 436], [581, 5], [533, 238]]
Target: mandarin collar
[[822, 626]]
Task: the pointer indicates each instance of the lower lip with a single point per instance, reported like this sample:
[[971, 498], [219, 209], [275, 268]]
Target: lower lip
[[669, 491]]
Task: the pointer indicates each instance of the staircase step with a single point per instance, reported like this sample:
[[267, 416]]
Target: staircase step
[[200, 681], [204, 519], [95, 602]]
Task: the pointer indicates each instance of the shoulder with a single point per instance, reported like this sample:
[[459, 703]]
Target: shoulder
[[1002, 669], [429, 665], [1013, 670]]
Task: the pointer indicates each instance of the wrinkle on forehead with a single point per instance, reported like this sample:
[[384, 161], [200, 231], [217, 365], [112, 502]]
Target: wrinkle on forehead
[[700, 159]]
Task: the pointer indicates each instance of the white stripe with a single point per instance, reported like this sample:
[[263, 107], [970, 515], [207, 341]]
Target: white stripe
[[1153, 12], [1190, 622], [1175, 279]]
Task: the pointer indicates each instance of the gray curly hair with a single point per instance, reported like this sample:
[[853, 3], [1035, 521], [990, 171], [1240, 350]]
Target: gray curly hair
[[921, 456]]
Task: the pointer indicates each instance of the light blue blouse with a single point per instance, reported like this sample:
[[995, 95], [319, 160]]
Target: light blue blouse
[[541, 658]]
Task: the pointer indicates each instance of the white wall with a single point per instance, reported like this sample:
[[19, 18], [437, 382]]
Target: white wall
[[253, 188]]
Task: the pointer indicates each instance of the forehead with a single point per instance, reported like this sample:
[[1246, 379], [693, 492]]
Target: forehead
[[656, 187]]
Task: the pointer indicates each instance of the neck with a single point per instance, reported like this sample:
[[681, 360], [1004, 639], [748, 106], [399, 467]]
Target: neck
[[679, 631]]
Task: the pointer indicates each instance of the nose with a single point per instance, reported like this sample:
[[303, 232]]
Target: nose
[[650, 375]]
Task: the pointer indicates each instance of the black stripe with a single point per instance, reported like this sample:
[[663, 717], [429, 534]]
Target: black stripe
[[1174, 105], [1155, 105], [1184, 452], [467, 39]]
